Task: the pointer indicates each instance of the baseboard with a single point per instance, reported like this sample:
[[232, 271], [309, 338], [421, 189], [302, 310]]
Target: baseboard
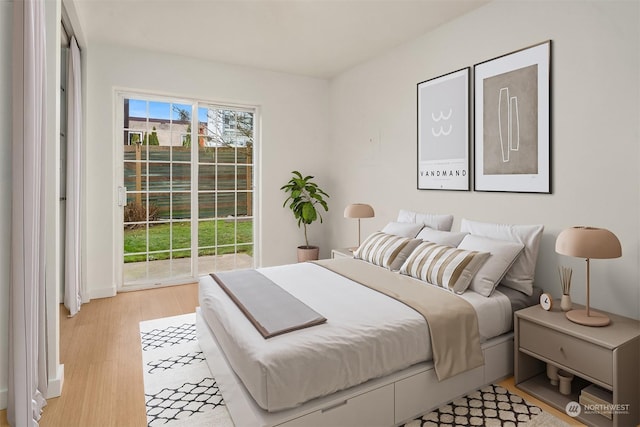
[[3, 399], [55, 384], [102, 293]]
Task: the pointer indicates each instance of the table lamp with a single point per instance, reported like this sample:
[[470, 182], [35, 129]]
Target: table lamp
[[588, 243], [358, 210]]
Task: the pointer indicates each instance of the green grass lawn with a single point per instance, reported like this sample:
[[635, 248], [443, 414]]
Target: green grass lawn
[[176, 236]]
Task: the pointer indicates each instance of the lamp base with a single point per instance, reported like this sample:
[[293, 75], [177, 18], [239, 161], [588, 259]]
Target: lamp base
[[593, 319]]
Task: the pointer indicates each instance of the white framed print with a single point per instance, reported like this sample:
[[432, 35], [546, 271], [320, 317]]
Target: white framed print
[[512, 138], [443, 132]]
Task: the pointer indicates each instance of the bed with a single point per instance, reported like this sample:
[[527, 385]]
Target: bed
[[370, 364]]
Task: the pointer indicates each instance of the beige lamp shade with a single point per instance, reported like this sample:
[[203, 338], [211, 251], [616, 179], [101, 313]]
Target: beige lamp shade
[[358, 210], [588, 242]]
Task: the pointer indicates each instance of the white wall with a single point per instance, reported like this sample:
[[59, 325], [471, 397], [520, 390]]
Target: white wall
[[595, 134], [6, 28], [294, 135]]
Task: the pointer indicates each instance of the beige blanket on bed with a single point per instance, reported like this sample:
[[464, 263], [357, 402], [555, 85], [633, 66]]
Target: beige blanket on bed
[[453, 323]]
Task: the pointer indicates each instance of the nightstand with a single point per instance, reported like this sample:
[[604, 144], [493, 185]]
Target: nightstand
[[341, 253], [607, 356]]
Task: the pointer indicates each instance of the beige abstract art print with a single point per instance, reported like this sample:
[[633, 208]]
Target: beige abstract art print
[[512, 134]]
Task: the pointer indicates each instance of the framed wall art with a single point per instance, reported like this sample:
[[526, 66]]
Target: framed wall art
[[512, 136], [443, 132]]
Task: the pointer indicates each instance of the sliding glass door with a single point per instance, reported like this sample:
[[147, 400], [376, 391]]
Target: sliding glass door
[[187, 189]]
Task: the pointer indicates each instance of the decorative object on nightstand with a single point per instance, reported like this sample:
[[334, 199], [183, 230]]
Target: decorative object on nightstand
[[599, 398], [358, 210], [552, 374], [565, 282], [546, 301], [565, 378], [588, 243]]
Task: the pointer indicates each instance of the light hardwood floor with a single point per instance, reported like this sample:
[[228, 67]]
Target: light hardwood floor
[[101, 353]]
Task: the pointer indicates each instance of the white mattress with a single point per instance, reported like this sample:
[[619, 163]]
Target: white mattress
[[367, 335]]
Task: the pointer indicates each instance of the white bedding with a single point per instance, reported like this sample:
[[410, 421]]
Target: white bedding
[[367, 335]]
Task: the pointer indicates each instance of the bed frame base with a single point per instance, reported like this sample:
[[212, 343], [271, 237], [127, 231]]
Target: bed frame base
[[386, 401]]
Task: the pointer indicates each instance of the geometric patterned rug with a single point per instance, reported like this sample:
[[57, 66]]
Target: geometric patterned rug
[[492, 405], [178, 387], [180, 390]]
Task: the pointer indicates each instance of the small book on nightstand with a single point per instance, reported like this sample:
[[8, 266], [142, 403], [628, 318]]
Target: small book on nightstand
[[599, 398]]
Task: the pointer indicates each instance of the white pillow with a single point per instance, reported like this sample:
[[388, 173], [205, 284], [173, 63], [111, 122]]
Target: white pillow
[[404, 229], [382, 249], [520, 276], [449, 238], [444, 266], [435, 221], [503, 255]]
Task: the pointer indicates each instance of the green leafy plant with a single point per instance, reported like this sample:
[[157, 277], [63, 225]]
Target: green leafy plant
[[304, 196]]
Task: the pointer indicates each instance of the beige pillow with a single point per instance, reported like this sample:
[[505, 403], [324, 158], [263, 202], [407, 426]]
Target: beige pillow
[[444, 266], [449, 238], [435, 221], [382, 249], [503, 255], [520, 276], [404, 229]]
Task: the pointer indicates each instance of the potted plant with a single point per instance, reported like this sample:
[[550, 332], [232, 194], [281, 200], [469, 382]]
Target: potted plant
[[304, 196]]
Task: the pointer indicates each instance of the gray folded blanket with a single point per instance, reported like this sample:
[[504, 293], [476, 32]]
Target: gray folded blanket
[[272, 310]]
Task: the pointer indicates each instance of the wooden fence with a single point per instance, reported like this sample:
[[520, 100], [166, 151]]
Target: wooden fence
[[224, 173]]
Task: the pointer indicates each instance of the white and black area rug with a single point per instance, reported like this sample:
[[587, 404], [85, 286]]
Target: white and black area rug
[[490, 406], [178, 386], [180, 390]]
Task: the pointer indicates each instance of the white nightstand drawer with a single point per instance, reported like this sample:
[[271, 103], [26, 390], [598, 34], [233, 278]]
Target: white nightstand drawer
[[579, 355]]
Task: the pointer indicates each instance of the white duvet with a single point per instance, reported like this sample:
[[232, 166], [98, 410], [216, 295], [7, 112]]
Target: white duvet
[[367, 335]]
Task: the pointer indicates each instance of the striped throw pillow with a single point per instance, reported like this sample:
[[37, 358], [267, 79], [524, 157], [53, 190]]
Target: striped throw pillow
[[382, 249], [444, 266]]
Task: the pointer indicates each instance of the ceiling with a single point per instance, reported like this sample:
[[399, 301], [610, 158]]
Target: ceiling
[[318, 38]]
